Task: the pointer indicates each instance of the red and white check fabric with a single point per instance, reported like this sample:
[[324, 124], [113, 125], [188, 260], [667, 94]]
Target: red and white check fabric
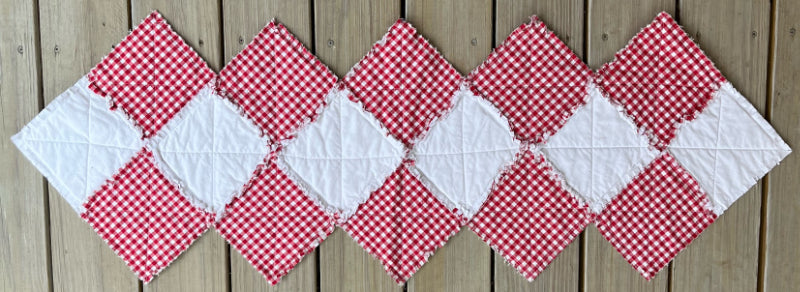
[[151, 74], [529, 217], [402, 224], [535, 80], [274, 224], [656, 216], [661, 78], [660, 81], [404, 82], [277, 82], [144, 218]]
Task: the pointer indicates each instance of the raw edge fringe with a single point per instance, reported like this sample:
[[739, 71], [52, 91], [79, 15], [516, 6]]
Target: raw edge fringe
[[371, 53], [398, 280], [208, 92], [502, 170], [631, 172], [727, 90], [342, 215], [654, 140], [321, 236], [19, 139]]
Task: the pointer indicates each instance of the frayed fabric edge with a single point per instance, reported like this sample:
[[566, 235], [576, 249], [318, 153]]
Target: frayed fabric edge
[[208, 92]]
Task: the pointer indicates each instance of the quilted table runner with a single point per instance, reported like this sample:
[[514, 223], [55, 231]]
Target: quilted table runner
[[152, 148]]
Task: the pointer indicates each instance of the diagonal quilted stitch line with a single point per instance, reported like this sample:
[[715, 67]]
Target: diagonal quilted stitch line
[[111, 213], [139, 74], [279, 100], [629, 70], [81, 143], [406, 96], [516, 70]]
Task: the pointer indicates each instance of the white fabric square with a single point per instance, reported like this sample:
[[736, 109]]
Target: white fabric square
[[343, 157], [78, 143], [728, 147], [465, 152], [210, 150], [598, 151]]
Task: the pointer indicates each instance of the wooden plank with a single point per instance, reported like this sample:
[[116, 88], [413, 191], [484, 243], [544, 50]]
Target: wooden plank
[[242, 20], [203, 267], [462, 32], [75, 36], [781, 255], [611, 24], [566, 19], [23, 219], [735, 35], [344, 31]]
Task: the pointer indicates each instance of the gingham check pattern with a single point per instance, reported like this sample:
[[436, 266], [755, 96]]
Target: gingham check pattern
[[274, 224], [656, 216], [529, 217], [535, 80], [404, 82], [151, 74], [144, 218], [277, 82], [402, 224], [661, 78]]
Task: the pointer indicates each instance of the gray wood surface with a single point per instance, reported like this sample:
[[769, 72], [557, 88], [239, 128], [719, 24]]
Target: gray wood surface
[[203, 267], [345, 30], [611, 24], [462, 32], [241, 21], [46, 45], [566, 19], [24, 254], [780, 233], [68, 52], [725, 256]]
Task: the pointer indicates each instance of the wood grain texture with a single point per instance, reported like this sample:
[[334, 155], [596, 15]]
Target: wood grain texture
[[344, 33], [611, 24], [462, 32], [735, 35], [345, 266], [46, 246], [781, 255], [243, 20], [566, 20], [68, 53], [23, 221], [203, 267], [345, 30]]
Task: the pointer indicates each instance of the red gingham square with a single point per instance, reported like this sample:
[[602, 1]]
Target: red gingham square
[[529, 217], [277, 82], [661, 78], [144, 218], [151, 74], [404, 82], [535, 80], [274, 224], [656, 216], [402, 224]]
